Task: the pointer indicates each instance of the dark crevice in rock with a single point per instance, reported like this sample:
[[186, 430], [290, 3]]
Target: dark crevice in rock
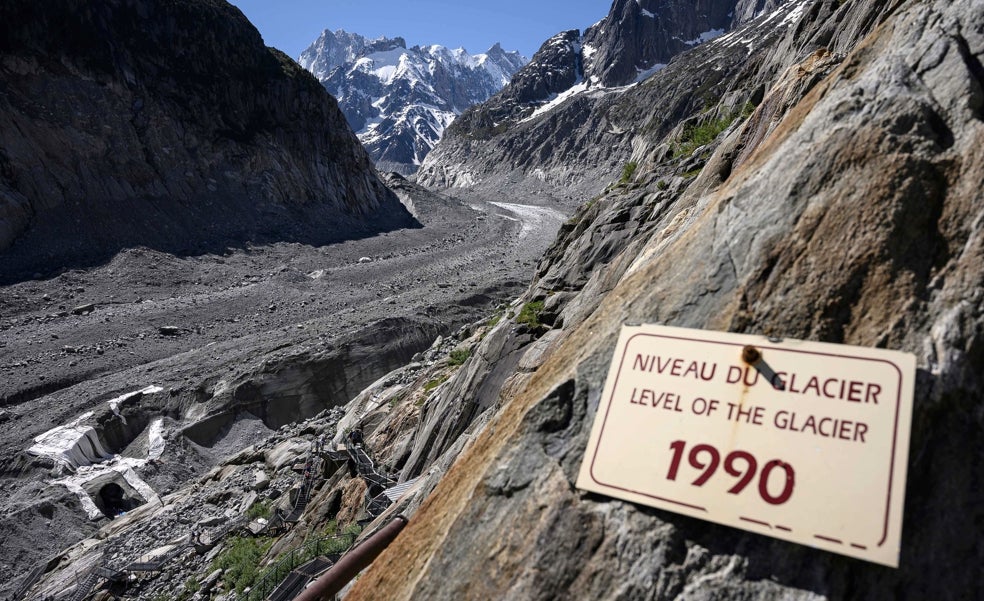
[[976, 69]]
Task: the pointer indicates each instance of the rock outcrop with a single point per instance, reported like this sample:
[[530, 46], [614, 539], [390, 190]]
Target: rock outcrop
[[845, 208], [166, 124], [638, 34]]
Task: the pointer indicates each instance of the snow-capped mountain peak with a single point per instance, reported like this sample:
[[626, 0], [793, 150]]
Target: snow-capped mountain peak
[[399, 100]]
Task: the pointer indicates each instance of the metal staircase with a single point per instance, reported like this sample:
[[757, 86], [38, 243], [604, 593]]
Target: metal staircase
[[85, 587]]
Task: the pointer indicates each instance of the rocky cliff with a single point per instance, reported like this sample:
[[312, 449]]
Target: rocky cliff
[[168, 124], [565, 125], [843, 205], [568, 89], [822, 185], [399, 100]]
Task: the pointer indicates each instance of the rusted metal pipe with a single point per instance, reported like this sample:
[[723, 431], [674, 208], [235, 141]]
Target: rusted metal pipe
[[349, 566]]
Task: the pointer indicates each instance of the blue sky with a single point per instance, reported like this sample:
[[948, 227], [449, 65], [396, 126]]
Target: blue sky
[[291, 25]]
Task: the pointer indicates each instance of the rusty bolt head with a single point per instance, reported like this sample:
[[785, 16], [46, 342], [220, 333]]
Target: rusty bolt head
[[750, 354]]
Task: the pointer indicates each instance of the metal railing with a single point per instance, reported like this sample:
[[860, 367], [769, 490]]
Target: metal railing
[[331, 547]]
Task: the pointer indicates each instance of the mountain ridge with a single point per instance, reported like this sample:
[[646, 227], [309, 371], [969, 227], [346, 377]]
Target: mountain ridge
[[571, 83], [399, 100]]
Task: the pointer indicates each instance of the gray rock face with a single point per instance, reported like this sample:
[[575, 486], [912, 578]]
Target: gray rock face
[[333, 49], [579, 138], [399, 100], [844, 208], [554, 68], [638, 34], [170, 125], [746, 10]]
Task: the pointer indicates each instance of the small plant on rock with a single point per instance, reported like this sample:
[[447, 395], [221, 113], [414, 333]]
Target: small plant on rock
[[696, 136], [530, 314], [458, 356], [628, 171], [262, 509], [431, 385]]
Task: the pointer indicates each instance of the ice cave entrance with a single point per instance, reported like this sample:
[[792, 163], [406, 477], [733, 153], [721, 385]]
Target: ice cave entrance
[[115, 497]]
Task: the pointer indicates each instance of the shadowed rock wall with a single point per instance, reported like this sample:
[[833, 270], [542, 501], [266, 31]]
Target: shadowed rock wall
[[166, 123]]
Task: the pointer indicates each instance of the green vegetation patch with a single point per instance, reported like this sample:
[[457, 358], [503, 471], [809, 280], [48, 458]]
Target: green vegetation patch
[[334, 541], [530, 314], [459, 356], [431, 385], [696, 136], [628, 171], [262, 509], [241, 560], [747, 110]]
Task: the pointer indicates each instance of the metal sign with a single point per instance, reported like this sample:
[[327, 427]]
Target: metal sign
[[802, 441]]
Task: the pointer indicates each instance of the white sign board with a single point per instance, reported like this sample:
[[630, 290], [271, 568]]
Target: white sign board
[[802, 441]]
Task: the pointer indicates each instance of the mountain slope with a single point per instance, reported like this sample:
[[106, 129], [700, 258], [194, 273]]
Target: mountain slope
[[845, 207], [399, 100], [166, 124], [570, 85]]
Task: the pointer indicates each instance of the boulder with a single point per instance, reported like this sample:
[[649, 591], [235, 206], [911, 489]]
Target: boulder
[[286, 453], [261, 481]]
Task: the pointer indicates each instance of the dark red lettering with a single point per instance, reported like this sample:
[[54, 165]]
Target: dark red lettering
[[860, 429], [854, 392], [872, 396]]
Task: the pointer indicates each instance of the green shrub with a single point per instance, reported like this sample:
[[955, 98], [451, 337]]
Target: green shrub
[[339, 545], [696, 136], [459, 356], [332, 541], [431, 385], [261, 509], [530, 314], [662, 185], [354, 529], [628, 171], [240, 560]]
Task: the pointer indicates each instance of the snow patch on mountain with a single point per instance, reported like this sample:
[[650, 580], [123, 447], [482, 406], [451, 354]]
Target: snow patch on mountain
[[556, 100], [705, 36]]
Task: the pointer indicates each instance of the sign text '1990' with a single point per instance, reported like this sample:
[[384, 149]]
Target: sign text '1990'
[[739, 464]]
